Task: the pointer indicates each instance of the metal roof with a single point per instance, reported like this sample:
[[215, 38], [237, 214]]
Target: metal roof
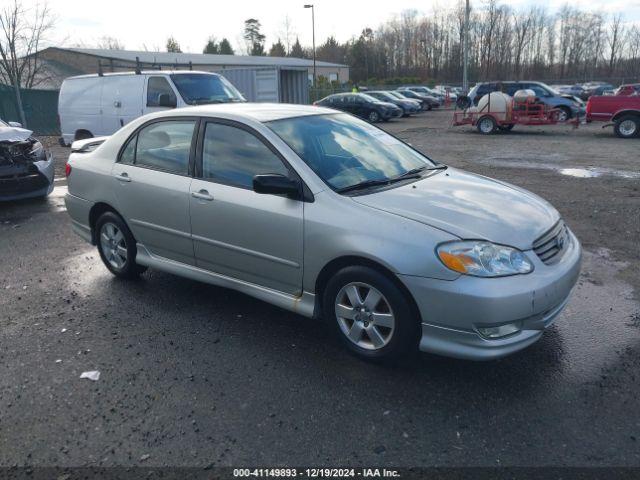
[[201, 58]]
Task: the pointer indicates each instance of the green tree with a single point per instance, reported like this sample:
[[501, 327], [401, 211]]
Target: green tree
[[225, 47], [211, 46], [296, 50], [278, 50], [253, 37], [173, 45]]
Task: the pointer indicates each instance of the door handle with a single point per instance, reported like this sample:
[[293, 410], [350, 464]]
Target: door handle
[[123, 177], [202, 195]]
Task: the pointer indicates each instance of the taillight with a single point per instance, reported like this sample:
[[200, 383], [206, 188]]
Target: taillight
[[67, 170]]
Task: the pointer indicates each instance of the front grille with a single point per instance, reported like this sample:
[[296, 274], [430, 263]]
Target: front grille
[[551, 246]]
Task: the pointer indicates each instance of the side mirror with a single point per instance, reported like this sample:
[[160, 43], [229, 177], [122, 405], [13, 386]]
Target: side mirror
[[276, 184], [165, 100], [15, 124]]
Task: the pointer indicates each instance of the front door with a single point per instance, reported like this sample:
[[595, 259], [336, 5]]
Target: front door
[[237, 232], [152, 178]]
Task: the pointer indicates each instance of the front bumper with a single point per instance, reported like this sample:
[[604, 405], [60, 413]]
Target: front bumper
[[37, 182], [452, 310]]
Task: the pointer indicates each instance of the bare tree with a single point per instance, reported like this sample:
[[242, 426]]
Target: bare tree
[[110, 43], [288, 34], [22, 32], [615, 40]]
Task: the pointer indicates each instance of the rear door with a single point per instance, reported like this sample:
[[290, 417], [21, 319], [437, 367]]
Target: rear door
[[152, 179], [237, 232], [121, 101]]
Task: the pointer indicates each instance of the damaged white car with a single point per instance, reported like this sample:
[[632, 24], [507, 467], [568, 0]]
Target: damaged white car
[[26, 167]]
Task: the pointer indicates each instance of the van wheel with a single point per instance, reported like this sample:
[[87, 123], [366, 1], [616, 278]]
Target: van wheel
[[487, 125], [82, 135], [116, 246], [370, 314], [627, 126]]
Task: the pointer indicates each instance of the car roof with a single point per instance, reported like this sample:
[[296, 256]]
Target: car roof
[[261, 112]]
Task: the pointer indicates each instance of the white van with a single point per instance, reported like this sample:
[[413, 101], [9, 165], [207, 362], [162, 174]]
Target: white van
[[98, 105]]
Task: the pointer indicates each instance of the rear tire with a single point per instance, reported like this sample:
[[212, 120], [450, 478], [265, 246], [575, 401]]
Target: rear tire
[[372, 316], [627, 126], [487, 125], [116, 246], [83, 135]]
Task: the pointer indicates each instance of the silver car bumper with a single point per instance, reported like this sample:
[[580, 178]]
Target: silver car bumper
[[452, 311]]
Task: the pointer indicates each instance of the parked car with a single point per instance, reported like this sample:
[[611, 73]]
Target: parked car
[[320, 213], [573, 90], [428, 102], [362, 105], [407, 106], [596, 88], [444, 90], [622, 111], [628, 89], [26, 166], [568, 105], [96, 105], [426, 91]]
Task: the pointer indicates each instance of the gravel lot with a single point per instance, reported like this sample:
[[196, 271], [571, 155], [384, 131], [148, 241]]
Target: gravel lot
[[193, 375]]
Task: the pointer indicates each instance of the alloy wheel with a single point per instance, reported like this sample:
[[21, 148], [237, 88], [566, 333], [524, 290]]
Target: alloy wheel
[[374, 117], [364, 316], [114, 245]]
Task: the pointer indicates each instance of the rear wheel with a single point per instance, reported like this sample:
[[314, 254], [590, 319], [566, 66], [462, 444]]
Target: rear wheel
[[374, 116], [371, 315], [627, 126], [116, 246], [83, 135], [487, 125]]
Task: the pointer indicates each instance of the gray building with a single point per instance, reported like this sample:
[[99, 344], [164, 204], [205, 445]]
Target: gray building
[[260, 79]]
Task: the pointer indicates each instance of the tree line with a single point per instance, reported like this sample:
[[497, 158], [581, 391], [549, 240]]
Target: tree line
[[570, 44]]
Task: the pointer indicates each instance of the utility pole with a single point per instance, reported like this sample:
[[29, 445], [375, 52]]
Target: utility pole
[[465, 54], [313, 31]]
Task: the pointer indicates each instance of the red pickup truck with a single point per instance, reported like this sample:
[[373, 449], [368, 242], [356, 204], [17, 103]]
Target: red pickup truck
[[623, 112]]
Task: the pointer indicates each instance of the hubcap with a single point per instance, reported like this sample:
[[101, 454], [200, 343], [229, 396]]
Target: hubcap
[[364, 316], [627, 128], [563, 116], [373, 116], [114, 245]]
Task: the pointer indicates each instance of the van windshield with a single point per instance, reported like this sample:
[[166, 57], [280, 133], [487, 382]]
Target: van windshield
[[200, 89]]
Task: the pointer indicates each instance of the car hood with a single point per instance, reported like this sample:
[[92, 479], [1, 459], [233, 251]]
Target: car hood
[[470, 207], [14, 134]]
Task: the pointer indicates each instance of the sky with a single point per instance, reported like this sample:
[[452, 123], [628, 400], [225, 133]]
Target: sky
[[140, 23]]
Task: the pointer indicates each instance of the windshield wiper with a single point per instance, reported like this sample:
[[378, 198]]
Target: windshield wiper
[[365, 184]]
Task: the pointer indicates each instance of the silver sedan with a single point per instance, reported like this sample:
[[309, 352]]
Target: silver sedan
[[320, 213]]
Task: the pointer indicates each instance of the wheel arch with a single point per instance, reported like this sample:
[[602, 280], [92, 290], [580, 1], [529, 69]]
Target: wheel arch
[[94, 214], [621, 113], [337, 264], [83, 132]]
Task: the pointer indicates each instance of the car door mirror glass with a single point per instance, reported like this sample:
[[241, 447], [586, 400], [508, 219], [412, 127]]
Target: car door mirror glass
[[276, 184]]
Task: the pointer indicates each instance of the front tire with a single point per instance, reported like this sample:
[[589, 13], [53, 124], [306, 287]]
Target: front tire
[[371, 315], [374, 117], [564, 114], [116, 246], [627, 126]]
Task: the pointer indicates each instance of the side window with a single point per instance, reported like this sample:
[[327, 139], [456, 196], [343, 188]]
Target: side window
[[234, 156], [165, 146], [128, 155], [155, 87]]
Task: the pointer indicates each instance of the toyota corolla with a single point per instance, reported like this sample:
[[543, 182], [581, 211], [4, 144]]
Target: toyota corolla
[[323, 214]]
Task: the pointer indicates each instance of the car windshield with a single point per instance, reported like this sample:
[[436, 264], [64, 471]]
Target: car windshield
[[345, 151], [202, 88], [397, 95]]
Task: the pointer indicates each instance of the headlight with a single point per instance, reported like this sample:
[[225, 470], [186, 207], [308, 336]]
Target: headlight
[[483, 259]]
